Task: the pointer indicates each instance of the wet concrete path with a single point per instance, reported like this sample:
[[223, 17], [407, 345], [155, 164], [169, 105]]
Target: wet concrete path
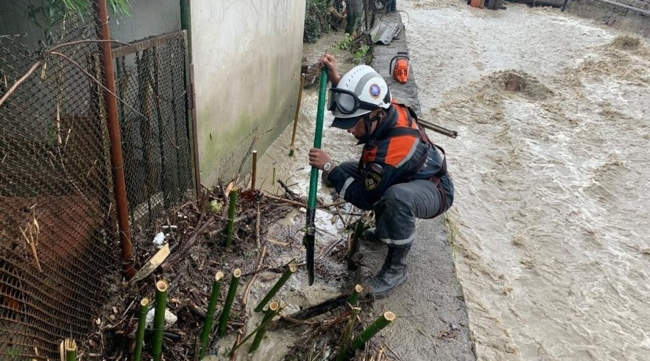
[[433, 322]]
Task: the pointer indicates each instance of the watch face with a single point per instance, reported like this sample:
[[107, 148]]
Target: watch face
[[327, 166]]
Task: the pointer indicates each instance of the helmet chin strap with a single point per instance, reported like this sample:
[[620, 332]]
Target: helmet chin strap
[[367, 125]]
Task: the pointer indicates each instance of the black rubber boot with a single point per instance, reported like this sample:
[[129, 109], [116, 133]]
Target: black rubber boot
[[393, 273], [369, 239]]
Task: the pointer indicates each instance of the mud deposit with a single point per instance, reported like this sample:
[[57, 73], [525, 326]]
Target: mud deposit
[[551, 217]]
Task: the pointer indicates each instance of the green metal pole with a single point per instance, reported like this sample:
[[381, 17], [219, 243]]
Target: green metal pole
[[159, 319], [209, 315], [186, 21], [142, 322], [309, 239]]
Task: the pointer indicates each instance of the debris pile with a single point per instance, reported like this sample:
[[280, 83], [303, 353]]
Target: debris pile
[[189, 248]]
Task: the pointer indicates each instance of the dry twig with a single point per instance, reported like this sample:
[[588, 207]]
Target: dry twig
[[260, 261]]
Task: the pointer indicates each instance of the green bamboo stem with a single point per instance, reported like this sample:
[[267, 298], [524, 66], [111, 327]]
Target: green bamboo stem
[[142, 322], [353, 300], [272, 311], [209, 315], [70, 347], [159, 319], [366, 335], [232, 291], [289, 270], [231, 215]]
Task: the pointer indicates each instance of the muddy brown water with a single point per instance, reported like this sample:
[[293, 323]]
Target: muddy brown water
[[550, 223], [551, 217]]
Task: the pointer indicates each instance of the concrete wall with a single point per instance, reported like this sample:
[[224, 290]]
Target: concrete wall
[[148, 18], [616, 16], [247, 56]]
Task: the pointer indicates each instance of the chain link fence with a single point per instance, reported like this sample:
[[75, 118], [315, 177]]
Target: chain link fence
[[151, 80], [58, 239]]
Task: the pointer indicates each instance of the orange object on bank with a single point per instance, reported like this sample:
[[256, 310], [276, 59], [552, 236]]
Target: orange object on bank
[[477, 3], [399, 67]]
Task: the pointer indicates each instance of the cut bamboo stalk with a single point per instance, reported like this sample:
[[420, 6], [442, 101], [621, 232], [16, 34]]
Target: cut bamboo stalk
[[254, 170], [241, 342], [353, 300], [366, 335], [272, 311], [295, 118], [70, 350], [209, 315], [159, 319], [232, 291], [290, 269], [142, 322], [231, 215]]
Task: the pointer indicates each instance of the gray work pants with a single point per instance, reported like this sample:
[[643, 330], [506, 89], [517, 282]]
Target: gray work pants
[[401, 204]]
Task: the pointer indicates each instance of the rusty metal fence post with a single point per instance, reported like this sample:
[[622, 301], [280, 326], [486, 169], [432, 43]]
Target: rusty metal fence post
[[117, 161]]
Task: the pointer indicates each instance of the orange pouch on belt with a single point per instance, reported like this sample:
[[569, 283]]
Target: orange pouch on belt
[[399, 67]]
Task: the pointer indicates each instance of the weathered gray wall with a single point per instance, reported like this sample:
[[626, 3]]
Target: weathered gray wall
[[149, 17], [247, 56]]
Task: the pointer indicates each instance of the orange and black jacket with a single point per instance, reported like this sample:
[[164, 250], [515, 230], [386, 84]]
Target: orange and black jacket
[[394, 153]]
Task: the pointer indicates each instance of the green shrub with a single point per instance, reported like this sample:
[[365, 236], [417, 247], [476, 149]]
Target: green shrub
[[316, 20]]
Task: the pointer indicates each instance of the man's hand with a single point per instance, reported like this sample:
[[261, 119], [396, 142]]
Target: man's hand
[[329, 62], [318, 158]]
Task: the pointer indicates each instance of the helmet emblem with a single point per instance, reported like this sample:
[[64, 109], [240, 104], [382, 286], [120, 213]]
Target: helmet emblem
[[375, 90]]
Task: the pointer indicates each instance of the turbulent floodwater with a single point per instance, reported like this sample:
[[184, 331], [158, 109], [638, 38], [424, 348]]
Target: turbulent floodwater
[[551, 219]]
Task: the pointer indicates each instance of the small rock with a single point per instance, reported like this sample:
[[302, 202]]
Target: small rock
[[159, 239], [170, 318]]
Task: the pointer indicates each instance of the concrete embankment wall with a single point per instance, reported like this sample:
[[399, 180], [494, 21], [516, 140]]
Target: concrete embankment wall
[[247, 57], [626, 15]]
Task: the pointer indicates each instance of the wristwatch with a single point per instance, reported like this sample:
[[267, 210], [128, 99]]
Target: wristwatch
[[327, 167]]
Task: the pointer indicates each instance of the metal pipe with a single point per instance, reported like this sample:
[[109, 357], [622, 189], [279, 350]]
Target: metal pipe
[[186, 24], [117, 162], [191, 115]]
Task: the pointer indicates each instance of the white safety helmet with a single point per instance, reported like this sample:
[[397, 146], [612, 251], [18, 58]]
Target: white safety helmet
[[360, 91]]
